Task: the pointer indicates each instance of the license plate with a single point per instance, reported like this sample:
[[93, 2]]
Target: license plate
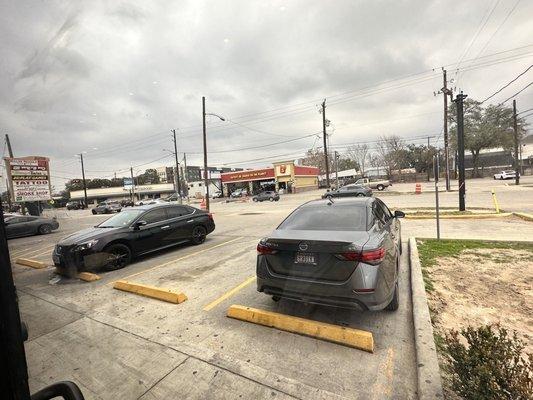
[[305, 258], [55, 259]]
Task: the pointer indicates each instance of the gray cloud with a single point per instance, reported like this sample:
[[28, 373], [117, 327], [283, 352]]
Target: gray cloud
[[118, 76]]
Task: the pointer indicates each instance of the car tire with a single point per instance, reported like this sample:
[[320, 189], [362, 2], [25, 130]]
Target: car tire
[[395, 302], [255, 199], [380, 187], [360, 195], [120, 256], [271, 199], [199, 234], [44, 229]]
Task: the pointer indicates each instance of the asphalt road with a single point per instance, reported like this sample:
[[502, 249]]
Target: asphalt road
[[119, 345]]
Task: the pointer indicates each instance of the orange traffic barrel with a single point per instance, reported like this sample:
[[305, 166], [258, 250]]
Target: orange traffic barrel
[[418, 188]]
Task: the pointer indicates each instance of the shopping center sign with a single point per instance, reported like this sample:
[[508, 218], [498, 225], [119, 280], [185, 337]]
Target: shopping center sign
[[29, 178]]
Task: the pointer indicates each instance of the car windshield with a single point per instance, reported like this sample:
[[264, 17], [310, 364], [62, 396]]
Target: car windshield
[[323, 217], [123, 218]]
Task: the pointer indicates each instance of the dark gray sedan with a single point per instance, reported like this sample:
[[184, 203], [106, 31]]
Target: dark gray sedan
[[25, 225], [349, 191], [340, 252]]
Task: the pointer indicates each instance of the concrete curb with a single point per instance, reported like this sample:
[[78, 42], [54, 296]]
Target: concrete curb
[[428, 372], [466, 216], [524, 216]]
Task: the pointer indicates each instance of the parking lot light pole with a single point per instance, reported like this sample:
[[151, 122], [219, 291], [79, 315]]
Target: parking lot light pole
[[206, 173], [84, 184]]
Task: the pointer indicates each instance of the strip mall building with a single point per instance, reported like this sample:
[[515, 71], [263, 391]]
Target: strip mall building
[[284, 176]]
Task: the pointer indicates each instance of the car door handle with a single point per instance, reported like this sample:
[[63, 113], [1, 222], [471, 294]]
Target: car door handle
[[164, 228], [191, 220]]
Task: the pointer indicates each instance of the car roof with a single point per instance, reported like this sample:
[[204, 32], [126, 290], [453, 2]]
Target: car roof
[[355, 201], [147, 207]]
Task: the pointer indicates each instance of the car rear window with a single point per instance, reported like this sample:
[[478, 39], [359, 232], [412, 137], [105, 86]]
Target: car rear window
[[336, 217]]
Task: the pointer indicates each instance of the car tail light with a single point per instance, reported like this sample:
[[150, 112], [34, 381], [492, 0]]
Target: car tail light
[[264, 248], [210, 216], [366, 256]]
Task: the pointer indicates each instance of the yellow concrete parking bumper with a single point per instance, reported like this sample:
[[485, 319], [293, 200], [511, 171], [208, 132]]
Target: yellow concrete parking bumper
[[167, 295], [88, 276], [524, 216], [28, 262], [356, 338]]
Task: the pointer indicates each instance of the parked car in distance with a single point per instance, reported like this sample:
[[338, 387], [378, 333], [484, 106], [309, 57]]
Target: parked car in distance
[[131, 233], [379, 184], [127, 203], [508, 174], [107, 207], [75, 205], [349, 191], [26, 225], [239, 193], [217, 195], [266, 195], [344, 253]]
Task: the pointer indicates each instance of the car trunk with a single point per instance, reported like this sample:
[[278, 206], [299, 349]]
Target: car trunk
[[322, 246]]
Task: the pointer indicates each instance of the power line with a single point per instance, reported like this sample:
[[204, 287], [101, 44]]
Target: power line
[[521, 112], [517, 93], [508, 84]]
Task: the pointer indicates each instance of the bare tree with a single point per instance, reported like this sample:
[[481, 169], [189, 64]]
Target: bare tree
[[391, 151], [359, 154]]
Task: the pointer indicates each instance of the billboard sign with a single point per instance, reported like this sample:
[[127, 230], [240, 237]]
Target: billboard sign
[[128, 183], [29, 178]]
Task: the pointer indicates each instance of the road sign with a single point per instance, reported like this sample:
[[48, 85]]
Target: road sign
[[29, 178]]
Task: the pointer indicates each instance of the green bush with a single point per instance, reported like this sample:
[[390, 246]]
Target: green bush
[[491, 366]]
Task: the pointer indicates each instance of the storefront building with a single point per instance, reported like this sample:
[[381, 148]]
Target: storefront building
[[284, 176]]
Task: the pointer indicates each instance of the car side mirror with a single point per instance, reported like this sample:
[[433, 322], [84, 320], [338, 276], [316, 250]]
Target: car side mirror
[[137, 225], [399, 214]]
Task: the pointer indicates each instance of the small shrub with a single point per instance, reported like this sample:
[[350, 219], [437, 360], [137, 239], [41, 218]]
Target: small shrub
[[491, 366]]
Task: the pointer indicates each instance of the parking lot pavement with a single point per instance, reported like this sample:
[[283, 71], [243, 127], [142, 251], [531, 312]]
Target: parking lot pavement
[[120, 345]]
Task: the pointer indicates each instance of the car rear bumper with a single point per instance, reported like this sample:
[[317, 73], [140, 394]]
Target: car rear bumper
[[337, 294]]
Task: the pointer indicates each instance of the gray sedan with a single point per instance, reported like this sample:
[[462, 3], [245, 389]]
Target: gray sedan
[[342, 252], [349, 191], [25, 225]]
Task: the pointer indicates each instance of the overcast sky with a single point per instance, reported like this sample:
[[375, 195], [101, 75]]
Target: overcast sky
[[112, 78]]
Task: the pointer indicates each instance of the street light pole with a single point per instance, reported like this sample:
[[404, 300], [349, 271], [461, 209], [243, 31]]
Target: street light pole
[[84, 184], [206, 178], [178, 183]]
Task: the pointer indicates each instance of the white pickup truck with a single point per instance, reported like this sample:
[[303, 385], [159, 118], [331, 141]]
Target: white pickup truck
[[378, 184]]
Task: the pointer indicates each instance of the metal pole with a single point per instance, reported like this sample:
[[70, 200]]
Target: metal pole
[[516, 163], [84, 184], [325, 140], [336, 170], [446, 141], [461, 149], [10, 152], [437, 209], [429, 160], [132, 185], [206, 174], [178, 186]]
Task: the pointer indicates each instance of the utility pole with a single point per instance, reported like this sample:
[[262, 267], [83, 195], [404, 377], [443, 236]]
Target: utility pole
[[336, 170], [325, 141], [10, 152], [206, 176], [461, 149], [429, 159], [516, 155], [446, 92], [84, 184], [178, 183], [132, 185]]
